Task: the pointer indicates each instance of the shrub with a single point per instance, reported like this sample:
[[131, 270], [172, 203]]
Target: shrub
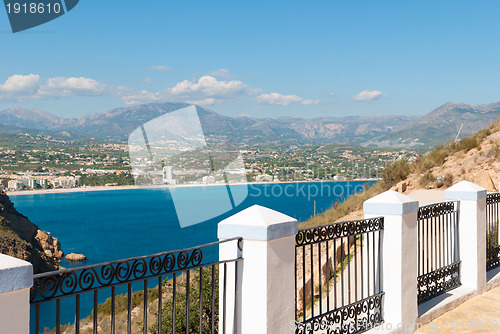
[[194, 304], [426, 179], [394, 173]]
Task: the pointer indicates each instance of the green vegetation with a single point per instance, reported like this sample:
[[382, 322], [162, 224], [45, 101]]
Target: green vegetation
[[137, 305], [438, 156], [181, 304], [343, 209], [101, 180]]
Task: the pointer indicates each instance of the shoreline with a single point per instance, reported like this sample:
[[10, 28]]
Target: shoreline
[[130, 187]]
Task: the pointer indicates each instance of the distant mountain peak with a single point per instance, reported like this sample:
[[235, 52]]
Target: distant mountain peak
[[437, 127]]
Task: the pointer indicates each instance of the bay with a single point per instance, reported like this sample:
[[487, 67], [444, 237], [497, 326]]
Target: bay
[[117, 224]]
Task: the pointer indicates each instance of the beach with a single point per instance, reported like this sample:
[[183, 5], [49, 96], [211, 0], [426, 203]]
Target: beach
[[129, 187]]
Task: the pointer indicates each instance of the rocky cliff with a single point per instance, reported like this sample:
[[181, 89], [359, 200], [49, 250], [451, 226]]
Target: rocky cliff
[[22, 239]]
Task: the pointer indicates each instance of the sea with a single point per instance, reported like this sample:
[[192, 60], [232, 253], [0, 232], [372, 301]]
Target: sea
[[118, 224]]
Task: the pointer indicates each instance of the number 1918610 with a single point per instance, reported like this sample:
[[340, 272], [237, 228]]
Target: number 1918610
[[33, 8]]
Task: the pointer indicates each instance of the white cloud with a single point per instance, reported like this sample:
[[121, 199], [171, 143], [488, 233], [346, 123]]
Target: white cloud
[[205, 91], [283, 100], [331, 94], [19, 87], [222, 73], [208, 86], [59, 87], [161, 68], [367, 95], [131, 96]]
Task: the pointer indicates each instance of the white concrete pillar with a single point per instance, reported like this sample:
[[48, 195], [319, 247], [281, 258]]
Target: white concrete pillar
[[471, 232], [398, 254], [498, 224], [267, 276], [16, 279]]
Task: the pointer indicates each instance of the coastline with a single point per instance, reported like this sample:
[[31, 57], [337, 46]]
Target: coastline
[[130, 187]]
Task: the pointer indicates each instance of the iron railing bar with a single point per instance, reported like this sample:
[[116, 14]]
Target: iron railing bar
[[362, 268], [349, 270], [77, 314], [174, 301], [380, 294], [64, 271], [134, 280], [113, 324], [213, 299], [356, 277], [341, 223], [95, 310], [188, 289], [374, 263], [335, 274], [160, 303], [200, 296], [129, 309], [319, 279], [58, 317], [303, 282], [224, 293], [419, 249], [145, 314], [435, 204], [342, 270], [312, 281], [368, 265], [339, 237], [327, 277], [236, 293], [295, 282], [380, 287], [440, 243]]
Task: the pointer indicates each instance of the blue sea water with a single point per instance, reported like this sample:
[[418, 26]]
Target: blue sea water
[[118, 224]]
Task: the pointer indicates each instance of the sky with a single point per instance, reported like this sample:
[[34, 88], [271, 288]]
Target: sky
[[256, 58]]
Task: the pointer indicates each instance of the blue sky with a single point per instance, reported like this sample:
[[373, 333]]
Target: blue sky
[[285, 58]]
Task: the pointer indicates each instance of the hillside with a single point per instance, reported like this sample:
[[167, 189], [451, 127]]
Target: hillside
[[475, 159], [440, 126], [22, 239], [119, 123], [434, 128]]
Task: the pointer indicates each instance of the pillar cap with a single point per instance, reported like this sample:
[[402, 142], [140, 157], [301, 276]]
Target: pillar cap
[[258, 223], [15, 274], [390, 203], [465, 190]]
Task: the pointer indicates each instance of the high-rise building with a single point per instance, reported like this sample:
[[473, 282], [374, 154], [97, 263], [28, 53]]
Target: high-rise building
[[168, 175]]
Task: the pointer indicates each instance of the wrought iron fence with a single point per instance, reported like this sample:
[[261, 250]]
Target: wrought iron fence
[[438, 250], [115, 297], [338, 277], [492, 244]]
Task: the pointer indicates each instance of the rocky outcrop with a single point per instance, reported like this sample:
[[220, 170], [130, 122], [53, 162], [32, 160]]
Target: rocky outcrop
[[76, 257], [479, 164], [22, 239]]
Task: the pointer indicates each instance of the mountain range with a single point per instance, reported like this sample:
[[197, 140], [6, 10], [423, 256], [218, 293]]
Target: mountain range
[[436, 127]]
